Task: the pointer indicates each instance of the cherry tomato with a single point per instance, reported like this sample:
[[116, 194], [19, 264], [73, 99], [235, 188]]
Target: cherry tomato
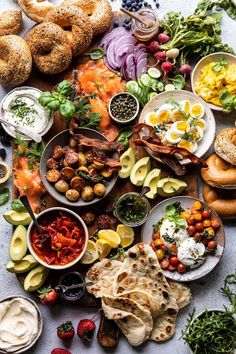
[[197, 205], [171, 267], [181, 268], [185, 214], [164, 263], [158, 242], [198, 236], [205, 241], [207, 223], [194, 211], [206, 214], [156, 235], [198, 217], [191, 230], [199, 226], [160, 254], [210, 232], [191, 220], [173, 260], [212, 244], [173, 249], [215, 222], [152, 244]]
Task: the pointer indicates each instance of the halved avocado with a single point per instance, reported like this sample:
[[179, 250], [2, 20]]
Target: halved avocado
[[35, 279], [5, 172], [127, 161], [140, 171], [18, 244], [169, 187], [26, 264], [151, 181], [17, 218]]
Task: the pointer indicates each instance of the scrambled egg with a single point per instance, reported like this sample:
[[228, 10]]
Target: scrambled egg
[[211, 83]]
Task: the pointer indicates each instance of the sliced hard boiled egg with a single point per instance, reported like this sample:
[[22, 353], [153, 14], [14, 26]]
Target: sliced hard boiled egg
[[196, 133], [164, 113], [197, 110], [177, 115], [200, 123], [172, 137], [181, 127], [151, 119], [190, 146], [185, 106]]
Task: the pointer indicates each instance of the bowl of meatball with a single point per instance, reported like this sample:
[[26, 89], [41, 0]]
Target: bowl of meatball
[[75, 174]]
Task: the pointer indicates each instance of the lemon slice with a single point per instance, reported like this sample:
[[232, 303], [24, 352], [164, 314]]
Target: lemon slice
[[91, 253], [103, 248], [110, 236], [126, 234]]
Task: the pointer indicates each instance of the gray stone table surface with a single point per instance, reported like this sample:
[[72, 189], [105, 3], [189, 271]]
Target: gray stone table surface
[[205, 292]]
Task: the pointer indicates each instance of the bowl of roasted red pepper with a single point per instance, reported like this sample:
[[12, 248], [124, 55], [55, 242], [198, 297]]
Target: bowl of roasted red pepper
[[62, 241]]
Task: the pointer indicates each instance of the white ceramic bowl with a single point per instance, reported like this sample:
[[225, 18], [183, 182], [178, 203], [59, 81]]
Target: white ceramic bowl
[[123, 122], [57, 267], [230, 58], [40, 323]]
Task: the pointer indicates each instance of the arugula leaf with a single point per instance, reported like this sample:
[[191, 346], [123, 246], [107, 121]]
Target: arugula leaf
[[219, 65], [178, 81], [124, 136], [228, 101], [4, 195]]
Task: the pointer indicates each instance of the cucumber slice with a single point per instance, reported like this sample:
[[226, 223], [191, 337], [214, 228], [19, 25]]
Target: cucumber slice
[[169, 87], [145, 80], [140, 83], [151, 95], [132, 86], [160, 86], [154, 73], [153, 84]]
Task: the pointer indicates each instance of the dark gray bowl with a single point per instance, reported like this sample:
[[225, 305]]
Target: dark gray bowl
[[63, 139]]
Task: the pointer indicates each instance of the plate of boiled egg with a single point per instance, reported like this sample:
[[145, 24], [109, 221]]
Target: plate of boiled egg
[[180, 118]]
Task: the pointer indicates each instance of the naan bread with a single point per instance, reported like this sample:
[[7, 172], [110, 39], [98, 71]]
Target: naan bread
[[181, 293]]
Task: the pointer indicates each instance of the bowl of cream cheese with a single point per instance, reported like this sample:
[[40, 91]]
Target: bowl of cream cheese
[[20, 324]]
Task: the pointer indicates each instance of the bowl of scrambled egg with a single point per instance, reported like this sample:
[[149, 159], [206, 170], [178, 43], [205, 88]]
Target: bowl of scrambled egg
[[213, 75]]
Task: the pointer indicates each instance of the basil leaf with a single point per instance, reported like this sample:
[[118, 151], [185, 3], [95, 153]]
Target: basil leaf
[[96, 54], [4, 195], [17, 205], [170, 210], [180, 222], [124, 136]]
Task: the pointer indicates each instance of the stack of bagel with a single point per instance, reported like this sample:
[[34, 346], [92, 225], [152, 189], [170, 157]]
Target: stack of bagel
[[61, 33], [219, 189]]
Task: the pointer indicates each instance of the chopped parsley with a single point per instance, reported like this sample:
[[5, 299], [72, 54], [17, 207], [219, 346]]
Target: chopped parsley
[[24, 112]]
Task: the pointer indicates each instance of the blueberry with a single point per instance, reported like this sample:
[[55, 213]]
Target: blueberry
[[128, 3], [116, 24], [137, 7], [157, 5], [145, 3], [3, 154], [5, 140], [126, 21]]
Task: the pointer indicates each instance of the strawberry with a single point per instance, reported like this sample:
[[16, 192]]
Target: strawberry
[[60, 351], [86, 329], [48, 296], [66, 330]]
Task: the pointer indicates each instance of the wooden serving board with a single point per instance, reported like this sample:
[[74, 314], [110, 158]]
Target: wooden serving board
[[46, 83]]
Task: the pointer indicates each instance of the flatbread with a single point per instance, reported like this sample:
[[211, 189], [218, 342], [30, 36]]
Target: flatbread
[[181, 293]]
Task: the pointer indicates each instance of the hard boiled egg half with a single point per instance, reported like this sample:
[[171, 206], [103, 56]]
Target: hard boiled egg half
[[197, 110], [151, 119], [200, 123], [185, 106], [188, 145], [164, 113], [180, 127], [172, 137]]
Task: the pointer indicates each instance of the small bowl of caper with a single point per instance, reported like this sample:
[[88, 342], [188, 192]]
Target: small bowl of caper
[[123, 107]]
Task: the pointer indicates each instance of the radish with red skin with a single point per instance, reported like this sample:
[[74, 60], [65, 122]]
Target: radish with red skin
[[154, 46], [167, 67], [185, 69], [160, 55], [163, 38]]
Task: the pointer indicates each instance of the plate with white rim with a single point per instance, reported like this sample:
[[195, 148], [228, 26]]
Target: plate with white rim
[[211, 260], [178, 96], [214, 57]]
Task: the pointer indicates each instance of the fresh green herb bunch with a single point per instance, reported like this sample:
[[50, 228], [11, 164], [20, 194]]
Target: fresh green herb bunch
[[33, 151], [125, 134], [172, 213], [228, 101], [229, 282]]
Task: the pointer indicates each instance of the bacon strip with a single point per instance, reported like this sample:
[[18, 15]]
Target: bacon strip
[[99, 144], [113, 162], [138, 127]]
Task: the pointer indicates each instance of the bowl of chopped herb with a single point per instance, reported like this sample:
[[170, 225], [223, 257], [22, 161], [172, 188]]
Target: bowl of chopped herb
[[123, 107]]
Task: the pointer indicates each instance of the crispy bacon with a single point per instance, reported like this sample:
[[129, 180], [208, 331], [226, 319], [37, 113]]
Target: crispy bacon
[[99, 144], [173, 164], [113, 162], [138, 127]]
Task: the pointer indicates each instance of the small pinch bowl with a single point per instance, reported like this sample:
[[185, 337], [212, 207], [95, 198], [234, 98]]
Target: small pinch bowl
[[40, 324], [123, 122], [79, 220]]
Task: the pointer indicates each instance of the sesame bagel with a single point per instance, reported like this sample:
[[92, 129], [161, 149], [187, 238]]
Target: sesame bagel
[[225, 145], [36, 9], [50, 48], [99, 12], [15, 61], [77, 26], [10, 22]]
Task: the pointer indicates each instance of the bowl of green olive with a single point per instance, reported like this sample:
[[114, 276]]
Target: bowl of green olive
[[123, 108]]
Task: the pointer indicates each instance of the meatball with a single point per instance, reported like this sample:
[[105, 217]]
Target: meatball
[[71, 157], [57, 152], [87, 193], [82, 159], [61, 186], [53, 175], [77, 183], [88, 217], [67, 173], [52, 163], [72, 195], [99, 189]]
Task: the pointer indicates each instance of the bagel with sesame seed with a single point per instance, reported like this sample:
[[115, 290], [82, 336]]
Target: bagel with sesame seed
[[36, 10], [10, 22]]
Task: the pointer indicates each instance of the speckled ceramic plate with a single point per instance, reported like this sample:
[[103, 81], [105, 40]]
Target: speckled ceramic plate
[[211, 261], [180, 95]]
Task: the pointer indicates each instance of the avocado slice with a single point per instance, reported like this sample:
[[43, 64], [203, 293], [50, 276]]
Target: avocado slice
[[35, 278], [127, 161], [140, 171], [18, 244], [17, 218], [26, 264], [151, 181], [169, 187]]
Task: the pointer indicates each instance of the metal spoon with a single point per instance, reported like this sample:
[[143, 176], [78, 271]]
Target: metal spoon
[[24, 131], [60, 288], [24, 200]]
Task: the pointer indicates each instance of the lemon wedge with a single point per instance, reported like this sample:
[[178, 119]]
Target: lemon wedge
[[91, 253], [126, 234], [103, 248], [110, 236]]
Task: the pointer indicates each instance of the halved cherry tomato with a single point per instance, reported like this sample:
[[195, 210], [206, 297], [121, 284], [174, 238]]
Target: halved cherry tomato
[[185, 214], [212, 244], [194, 211], [173, 261], [205, 241], [164, 263], [198, 217], [191, 230], [158, 242], [173, 249], [207, 223], [197, 205], [152, 244], [215, 222], [160, 254], [191, 220], [199, 226], [206, 214], [171, 267], [156, 235], [181, 268], [198, 236]]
